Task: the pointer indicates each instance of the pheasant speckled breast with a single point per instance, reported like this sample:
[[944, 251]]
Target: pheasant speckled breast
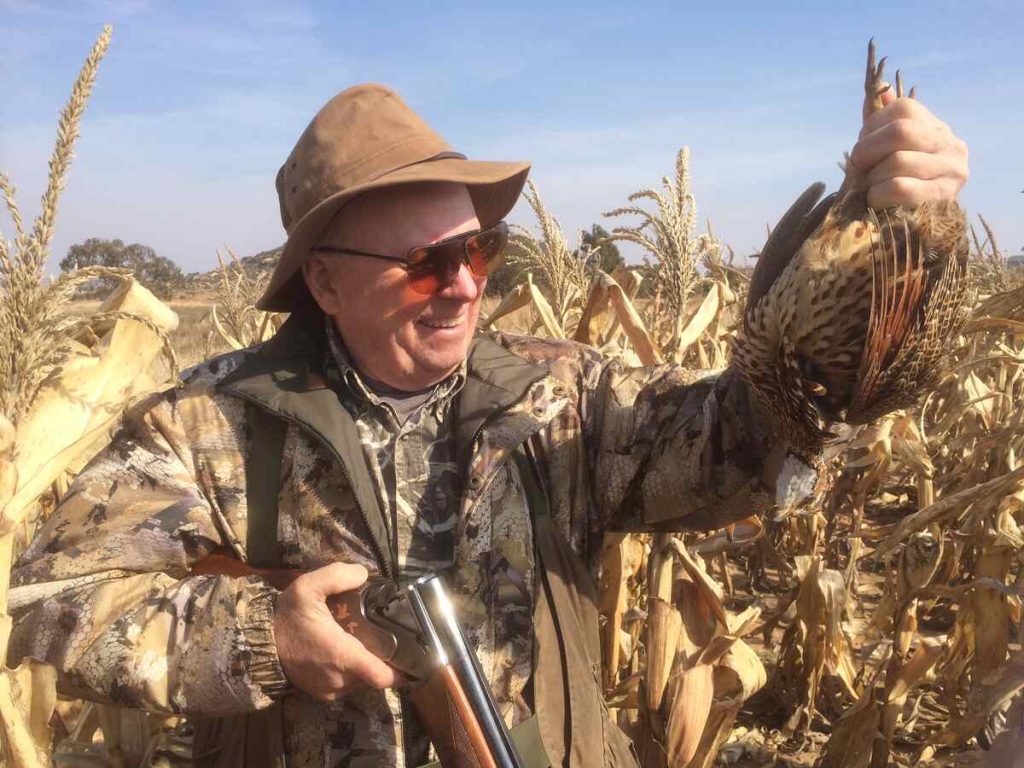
[[851, 312]]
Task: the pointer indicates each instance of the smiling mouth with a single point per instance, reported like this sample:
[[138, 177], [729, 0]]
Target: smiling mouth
[[441, 323]]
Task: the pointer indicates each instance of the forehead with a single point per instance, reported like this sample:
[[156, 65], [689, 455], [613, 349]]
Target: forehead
[[395, 219]]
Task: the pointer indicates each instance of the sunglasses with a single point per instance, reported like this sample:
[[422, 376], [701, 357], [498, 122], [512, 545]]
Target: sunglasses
[[431, 268]]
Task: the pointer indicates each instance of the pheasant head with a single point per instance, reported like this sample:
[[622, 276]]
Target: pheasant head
[[851, 312]]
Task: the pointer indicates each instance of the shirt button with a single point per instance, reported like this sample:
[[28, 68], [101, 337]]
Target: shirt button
[[538, 411], [475, 481], [559, 391]]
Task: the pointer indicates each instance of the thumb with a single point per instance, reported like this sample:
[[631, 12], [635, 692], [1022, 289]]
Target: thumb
[[336, 577]]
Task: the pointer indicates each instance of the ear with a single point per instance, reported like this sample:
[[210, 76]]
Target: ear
[[319, 280]]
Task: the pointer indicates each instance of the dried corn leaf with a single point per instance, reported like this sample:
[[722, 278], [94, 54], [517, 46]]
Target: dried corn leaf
[[516, 299], [544, 312], [85, 396], [953, 505], [632, 324], [595, 315], [815, 645], [664, 628], [614, 592], [738, 674], [921, 662], [700, 321], [743, 623], [692, 692], [853, 736], [733, 537], [748, 672], [991, 607], [630, 281], [708, 592], [984, 699], [224, 333], [28, 695], [8, 480], [1008, 748], [1008, 303]]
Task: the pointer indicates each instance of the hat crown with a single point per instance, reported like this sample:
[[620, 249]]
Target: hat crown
[[360, 135]]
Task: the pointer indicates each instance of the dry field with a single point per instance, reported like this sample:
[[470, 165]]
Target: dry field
[[881, 625]]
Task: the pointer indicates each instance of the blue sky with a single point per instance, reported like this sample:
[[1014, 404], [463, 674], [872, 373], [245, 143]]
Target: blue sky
[[198, 103]]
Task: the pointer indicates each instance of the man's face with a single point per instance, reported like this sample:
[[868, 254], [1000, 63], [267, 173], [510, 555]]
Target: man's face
[[394, 334]]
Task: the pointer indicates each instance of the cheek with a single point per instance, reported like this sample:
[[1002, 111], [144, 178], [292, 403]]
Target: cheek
[[410, 298], [378, 311]]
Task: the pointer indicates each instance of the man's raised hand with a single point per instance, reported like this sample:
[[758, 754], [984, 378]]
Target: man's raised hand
[[909, 155]]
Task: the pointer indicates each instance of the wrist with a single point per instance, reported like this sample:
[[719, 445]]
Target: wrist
[[265, 668]]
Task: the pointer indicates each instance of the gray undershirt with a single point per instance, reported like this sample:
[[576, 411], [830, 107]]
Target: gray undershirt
[[404, 404]]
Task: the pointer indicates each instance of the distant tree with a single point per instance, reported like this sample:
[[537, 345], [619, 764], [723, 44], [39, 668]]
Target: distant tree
[[503, 279], [608, 258], [158, 273]]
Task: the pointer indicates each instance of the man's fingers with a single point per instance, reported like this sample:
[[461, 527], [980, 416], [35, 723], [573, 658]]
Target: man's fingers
[[918, 165], [368, 667], [334, 578], [904, 134], [896, 109], [910, 192]]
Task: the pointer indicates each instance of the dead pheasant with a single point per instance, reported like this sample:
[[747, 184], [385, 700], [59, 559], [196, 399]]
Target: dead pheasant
[[851, 312]]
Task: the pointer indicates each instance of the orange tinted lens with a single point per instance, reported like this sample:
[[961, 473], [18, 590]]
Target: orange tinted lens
[[431, 268], [486, 249]]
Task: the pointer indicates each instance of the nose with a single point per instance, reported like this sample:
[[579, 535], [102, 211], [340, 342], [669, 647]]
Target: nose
[[466, 286]]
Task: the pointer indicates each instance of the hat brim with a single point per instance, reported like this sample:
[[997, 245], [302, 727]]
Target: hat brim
[[494, 188]]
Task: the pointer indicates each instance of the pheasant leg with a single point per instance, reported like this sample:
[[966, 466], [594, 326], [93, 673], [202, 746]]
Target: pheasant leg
[[874, 86]]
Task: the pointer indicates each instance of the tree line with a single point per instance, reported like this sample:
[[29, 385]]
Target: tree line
[[166, 280], [158, 273]]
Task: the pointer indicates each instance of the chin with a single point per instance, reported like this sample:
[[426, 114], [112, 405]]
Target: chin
[[435, 365]]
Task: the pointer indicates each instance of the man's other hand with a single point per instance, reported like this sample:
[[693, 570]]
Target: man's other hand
[[909, 155], [316, 654]]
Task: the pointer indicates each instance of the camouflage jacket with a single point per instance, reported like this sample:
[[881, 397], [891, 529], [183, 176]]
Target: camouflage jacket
[[106, 595]]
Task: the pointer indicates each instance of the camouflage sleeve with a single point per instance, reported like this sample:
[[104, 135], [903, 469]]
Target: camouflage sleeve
[[675, 448], [104, 591]]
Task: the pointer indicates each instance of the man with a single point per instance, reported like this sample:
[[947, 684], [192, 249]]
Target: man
[[376, 432]]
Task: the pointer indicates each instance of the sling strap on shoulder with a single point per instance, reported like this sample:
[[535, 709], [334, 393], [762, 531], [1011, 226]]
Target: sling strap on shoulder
[[568, 698], [262, 485], [255, 739]]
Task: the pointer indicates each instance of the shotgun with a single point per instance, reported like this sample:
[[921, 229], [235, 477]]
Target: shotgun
[[413, 627]]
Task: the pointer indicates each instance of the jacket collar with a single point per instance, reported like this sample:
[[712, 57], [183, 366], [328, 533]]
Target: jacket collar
[[496, 379]]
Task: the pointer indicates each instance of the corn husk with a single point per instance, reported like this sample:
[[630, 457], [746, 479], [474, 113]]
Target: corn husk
[[85, 397]]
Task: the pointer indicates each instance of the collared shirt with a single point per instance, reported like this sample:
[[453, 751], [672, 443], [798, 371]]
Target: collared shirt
[[412, 460], [409, 447]]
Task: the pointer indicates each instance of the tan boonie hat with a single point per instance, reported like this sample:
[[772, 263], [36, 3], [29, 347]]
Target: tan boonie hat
[[366, 138]]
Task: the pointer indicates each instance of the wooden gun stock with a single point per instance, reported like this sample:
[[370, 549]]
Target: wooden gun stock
[[451, 724], [221, 563]]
